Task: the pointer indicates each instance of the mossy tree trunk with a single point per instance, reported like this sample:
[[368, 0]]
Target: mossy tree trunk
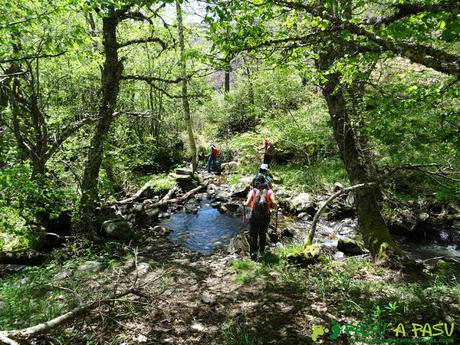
[[111, 74], [375, 233]]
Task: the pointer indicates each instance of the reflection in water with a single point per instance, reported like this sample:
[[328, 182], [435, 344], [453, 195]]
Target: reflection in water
[[203, 231]]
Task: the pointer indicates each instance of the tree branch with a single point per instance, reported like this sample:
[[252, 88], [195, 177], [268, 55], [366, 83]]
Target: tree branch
[[66, 133], [28, 19], [31, 57], [144, 40], [136, 16], [318, 213], [151, 79], [408, 10]]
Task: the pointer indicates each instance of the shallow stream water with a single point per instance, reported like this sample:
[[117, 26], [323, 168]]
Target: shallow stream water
[[204, 231], [208, 229]]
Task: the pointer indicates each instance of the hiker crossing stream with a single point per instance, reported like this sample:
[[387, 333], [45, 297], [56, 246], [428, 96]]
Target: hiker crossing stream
[[213, 220]]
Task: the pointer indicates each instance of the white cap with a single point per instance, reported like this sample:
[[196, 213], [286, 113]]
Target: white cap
[[264, 166]]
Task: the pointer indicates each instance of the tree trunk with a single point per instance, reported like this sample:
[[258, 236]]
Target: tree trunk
[[375, 233], [185, 102], [227, 80], [111, 74]]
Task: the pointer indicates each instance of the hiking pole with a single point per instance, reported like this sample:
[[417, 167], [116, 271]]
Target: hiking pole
[[276, 219], [243, 220]]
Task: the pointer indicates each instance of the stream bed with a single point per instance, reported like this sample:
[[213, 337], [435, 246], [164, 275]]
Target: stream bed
[[204, 231], [208, 229]]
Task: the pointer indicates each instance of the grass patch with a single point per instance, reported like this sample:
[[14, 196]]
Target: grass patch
[[311, 178], [14, 234], [358, 289], [161, 182], [36, 294]]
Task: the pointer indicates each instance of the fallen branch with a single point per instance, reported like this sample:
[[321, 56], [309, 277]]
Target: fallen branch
[[28, 259], [311, 235], [179, 199], [169, 194], [10, 337], [136, 195]]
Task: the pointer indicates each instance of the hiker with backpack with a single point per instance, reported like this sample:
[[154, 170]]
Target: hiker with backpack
[[213, 161], [260, 199]]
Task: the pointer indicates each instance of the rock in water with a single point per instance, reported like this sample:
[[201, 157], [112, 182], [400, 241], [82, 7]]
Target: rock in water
[[118, 229]]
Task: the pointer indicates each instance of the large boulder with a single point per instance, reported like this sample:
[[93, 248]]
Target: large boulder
[[304, 202], [118, 229], [233, 206], [351, 246], [230, 166], [222, 196], [240, 190]]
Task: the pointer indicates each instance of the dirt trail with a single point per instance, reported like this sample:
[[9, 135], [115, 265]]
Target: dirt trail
[[200, 297]]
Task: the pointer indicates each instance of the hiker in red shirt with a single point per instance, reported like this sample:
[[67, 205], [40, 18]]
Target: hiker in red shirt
[[213, 156], [268, 151]]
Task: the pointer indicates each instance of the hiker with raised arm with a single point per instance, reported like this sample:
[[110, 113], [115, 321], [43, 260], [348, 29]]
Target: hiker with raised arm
[[260, 200], [268, 151]]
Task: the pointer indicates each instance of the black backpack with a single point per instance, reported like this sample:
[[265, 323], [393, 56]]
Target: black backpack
[[261, 209]]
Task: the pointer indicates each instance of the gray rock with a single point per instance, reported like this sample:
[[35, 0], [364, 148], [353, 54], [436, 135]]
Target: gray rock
[[161, 230], [304, 202], [212, 189], [119, 229], [339, 256], [232, 206], [183, 171], [239, 190], [423, 216], [197, 327], [304, 216], [351, 246], [222, 209], [91, 266], [153, 213], [137, 208], [230, 166], [337, 186], [63, 275], [223, 196], [246, 180], [143, 268], [215, 204]]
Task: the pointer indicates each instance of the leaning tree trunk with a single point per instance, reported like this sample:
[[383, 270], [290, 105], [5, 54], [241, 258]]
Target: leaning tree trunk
[[111, 74], [186, 105], [375, 233]]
